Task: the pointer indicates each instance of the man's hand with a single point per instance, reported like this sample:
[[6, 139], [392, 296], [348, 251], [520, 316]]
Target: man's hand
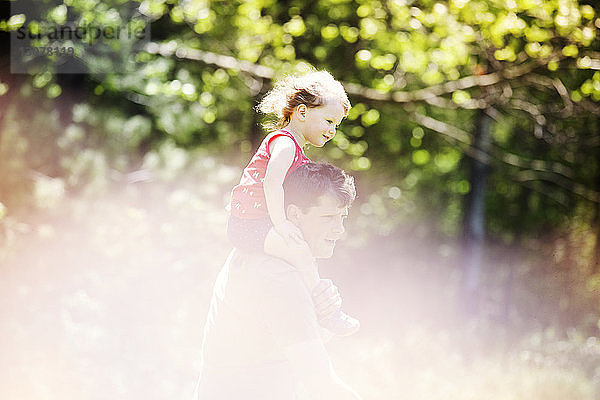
[[326, 298]]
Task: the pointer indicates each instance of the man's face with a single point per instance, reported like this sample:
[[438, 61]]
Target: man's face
[[322, 225]]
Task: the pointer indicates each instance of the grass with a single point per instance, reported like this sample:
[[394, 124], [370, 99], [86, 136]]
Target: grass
[[105, 294]]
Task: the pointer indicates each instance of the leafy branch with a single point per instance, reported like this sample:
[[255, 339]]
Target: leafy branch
[[554, 172]]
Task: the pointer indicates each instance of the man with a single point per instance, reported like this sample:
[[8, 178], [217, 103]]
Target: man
[[262, 338]]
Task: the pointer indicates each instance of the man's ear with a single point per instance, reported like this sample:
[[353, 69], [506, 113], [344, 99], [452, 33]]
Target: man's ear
[[293, 213], [301, 111]]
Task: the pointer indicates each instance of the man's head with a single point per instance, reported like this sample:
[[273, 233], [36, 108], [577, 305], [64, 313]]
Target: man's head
[[317, 198]]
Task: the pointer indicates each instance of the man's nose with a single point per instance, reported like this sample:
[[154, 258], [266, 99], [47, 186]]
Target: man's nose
[[338, 227]]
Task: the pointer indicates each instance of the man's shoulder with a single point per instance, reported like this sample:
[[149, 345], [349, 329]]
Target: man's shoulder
[[263, 264], [268, 279], [259, 264]]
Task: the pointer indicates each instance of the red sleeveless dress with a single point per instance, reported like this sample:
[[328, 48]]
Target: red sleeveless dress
[[249, 220]]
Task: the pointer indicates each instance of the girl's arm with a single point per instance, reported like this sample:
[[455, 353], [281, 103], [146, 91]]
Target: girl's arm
[[283, 151]]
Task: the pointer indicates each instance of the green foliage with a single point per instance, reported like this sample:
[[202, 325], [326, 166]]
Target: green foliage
[[388, 47]]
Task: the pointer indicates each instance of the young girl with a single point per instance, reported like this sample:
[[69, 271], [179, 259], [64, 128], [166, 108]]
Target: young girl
[[309, 108]]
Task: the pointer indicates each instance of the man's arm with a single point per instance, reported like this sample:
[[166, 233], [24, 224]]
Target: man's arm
[[290, 315], [311, 363]]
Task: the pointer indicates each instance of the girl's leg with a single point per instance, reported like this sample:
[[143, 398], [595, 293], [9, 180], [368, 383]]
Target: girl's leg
[[299, 256]]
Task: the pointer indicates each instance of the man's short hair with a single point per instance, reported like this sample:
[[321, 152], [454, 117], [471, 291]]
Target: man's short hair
[[307, 183]]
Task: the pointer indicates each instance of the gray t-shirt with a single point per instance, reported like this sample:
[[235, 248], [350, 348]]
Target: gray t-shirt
[[259, 306]]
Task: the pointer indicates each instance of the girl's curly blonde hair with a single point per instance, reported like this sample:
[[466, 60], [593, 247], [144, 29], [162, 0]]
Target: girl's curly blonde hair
[[312, 89]]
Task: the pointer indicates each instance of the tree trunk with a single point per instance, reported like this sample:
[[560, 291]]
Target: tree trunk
[[596, 219], [513, 261], [596, 225], [474, 220]]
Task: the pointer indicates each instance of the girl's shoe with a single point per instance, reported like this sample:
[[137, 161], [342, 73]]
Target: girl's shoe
[[341, 324]]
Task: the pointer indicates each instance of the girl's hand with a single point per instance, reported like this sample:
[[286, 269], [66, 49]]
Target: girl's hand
[[326, 298], [290, 232]]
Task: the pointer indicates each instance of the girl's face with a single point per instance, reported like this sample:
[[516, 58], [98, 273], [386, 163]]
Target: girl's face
[[321, 122]]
